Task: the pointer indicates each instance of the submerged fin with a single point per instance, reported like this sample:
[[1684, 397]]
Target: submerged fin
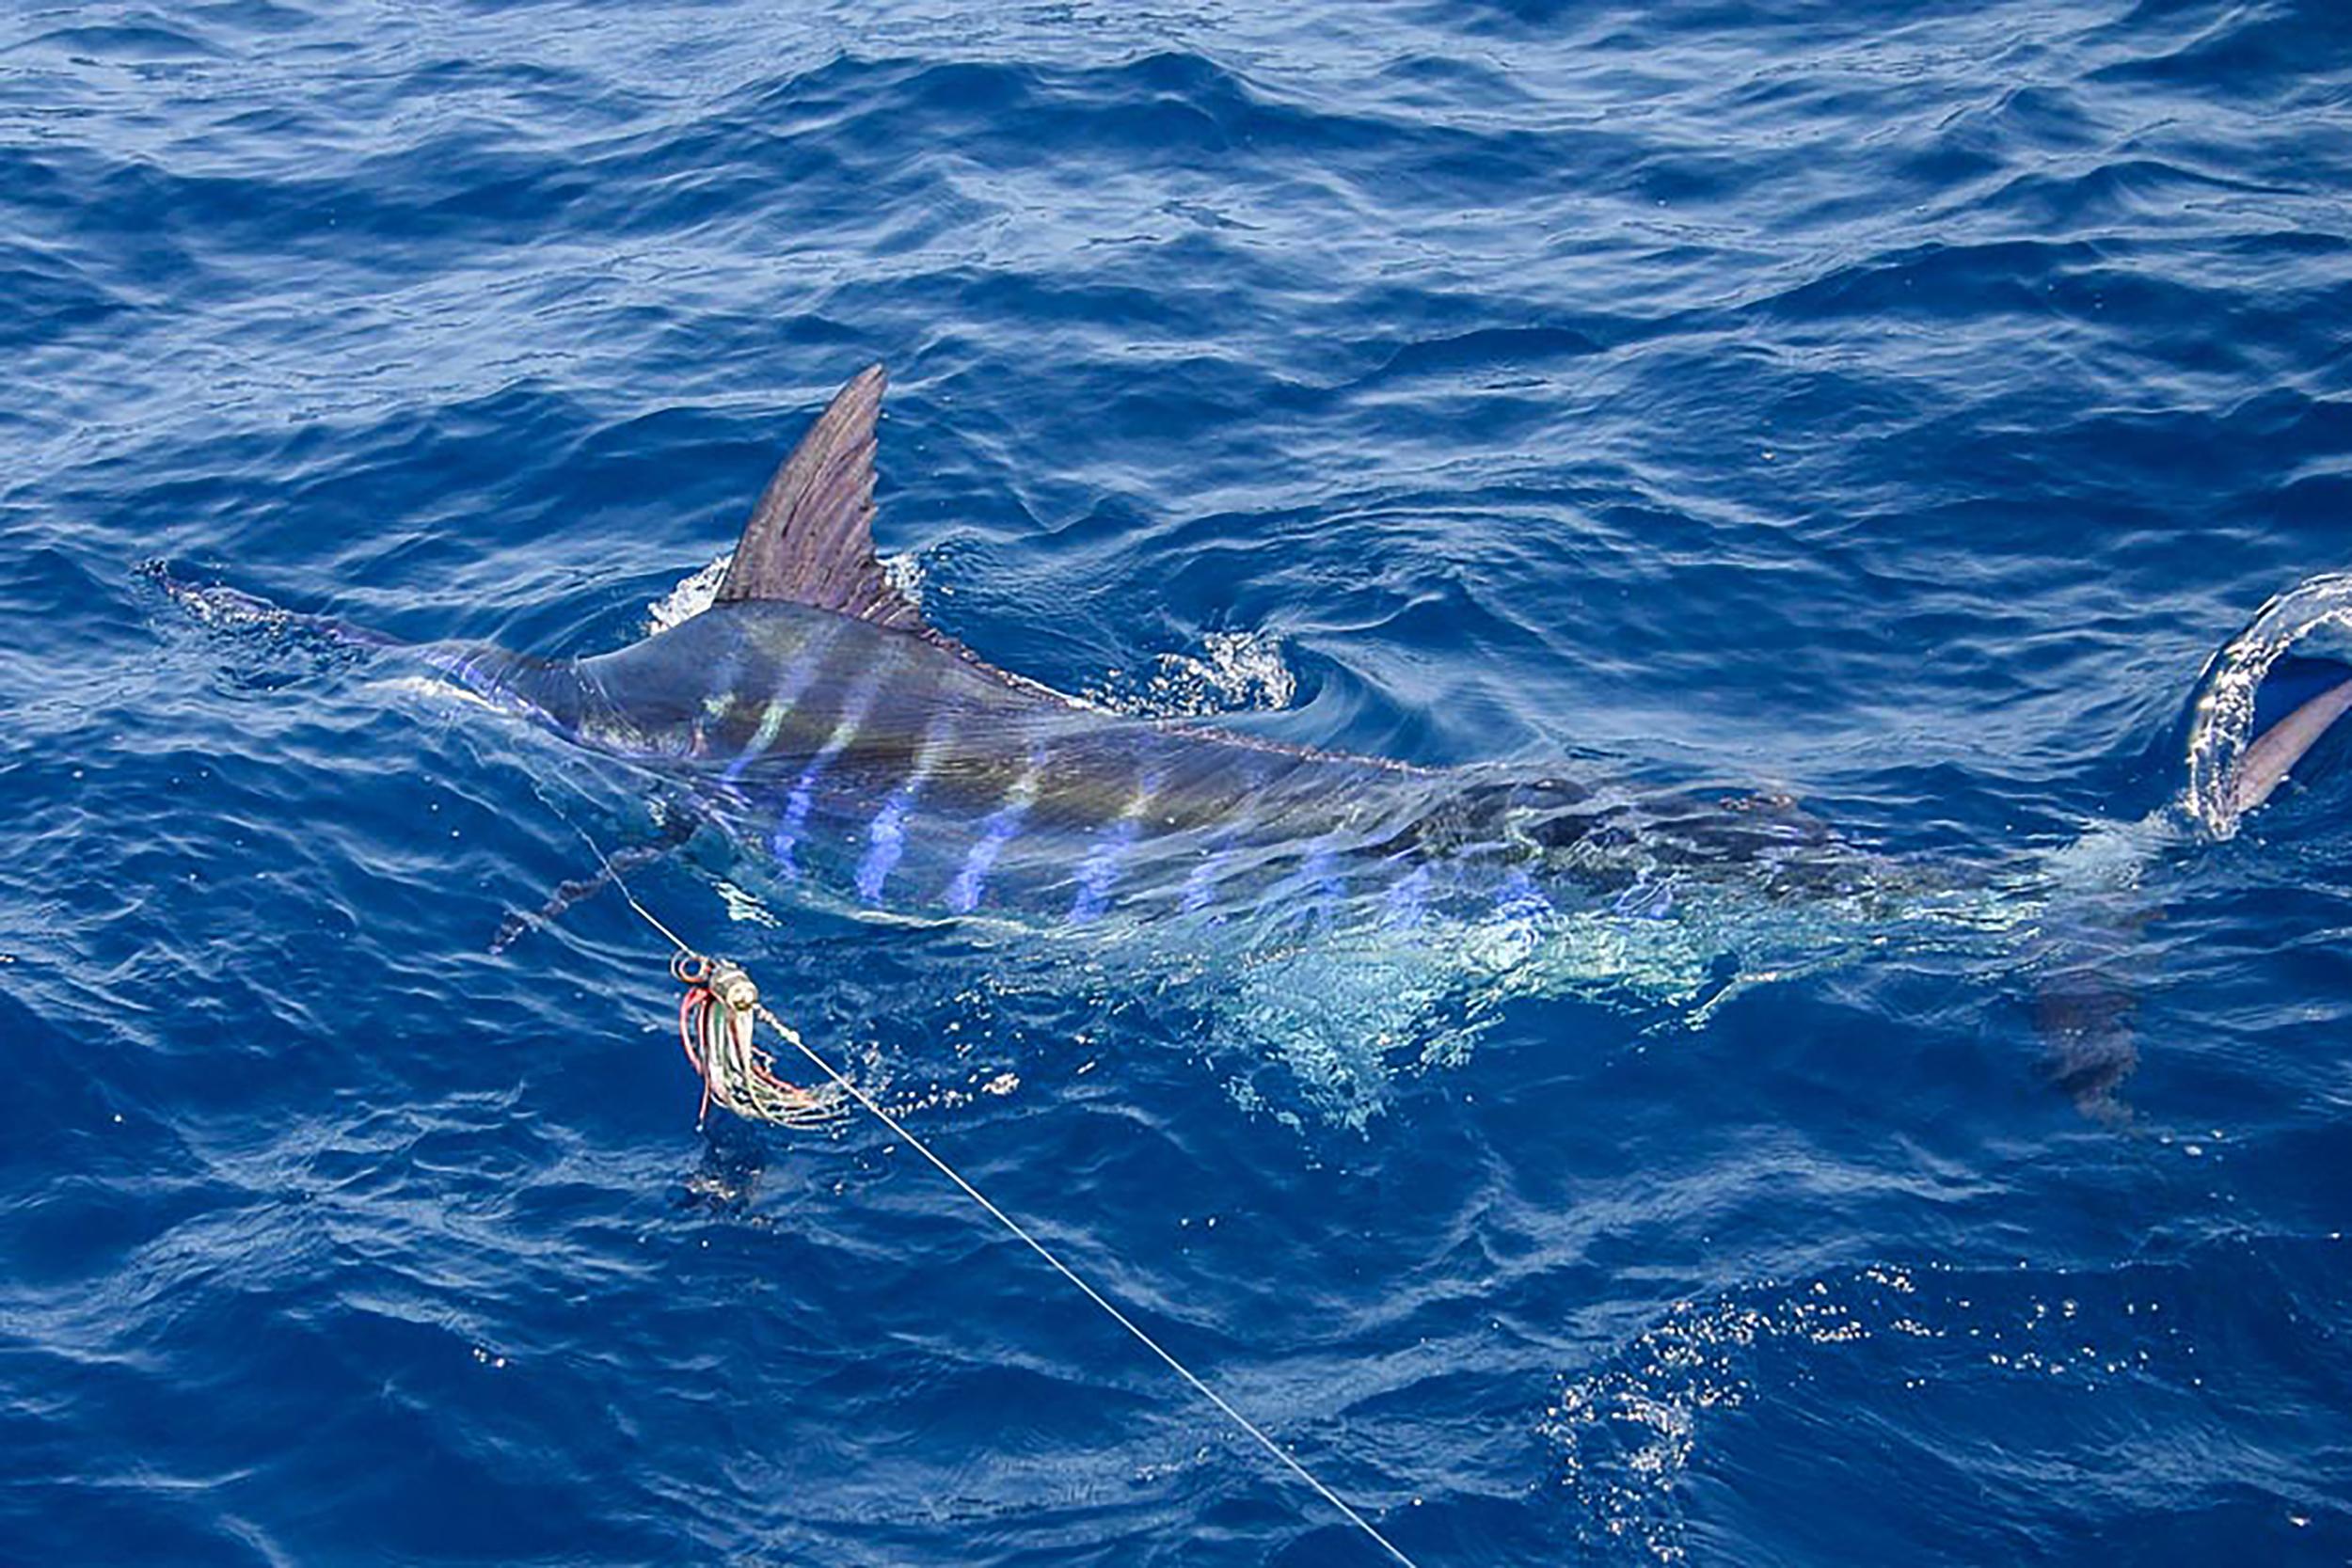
[[810, 539], [2083, 1006]]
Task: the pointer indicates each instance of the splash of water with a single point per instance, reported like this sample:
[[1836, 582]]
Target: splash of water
[[2224, 726], [694, 592], [690, 598], [1234, 671]]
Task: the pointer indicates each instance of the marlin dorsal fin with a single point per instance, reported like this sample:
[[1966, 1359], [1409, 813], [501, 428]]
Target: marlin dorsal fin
[[811, 539]]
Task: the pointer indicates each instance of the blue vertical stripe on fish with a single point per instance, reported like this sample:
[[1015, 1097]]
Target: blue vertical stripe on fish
[[803, 796], [886, 835], [1201, 885], [1099, 872], [1000, 830], [1312, 889], [1407, 900], [787, 696]]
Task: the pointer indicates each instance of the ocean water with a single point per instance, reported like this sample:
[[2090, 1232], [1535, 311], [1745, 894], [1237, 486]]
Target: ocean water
[[1892, 408]]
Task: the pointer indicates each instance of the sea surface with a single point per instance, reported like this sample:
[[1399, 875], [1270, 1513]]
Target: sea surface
[[1888, 406]]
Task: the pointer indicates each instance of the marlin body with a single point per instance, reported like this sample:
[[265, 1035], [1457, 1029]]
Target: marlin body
[[853, 753], [886, 768], [852, 748]]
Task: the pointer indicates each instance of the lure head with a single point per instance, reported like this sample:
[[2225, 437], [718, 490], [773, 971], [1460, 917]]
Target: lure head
[[734, 989]]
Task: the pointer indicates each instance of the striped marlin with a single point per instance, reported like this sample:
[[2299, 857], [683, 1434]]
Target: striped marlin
[[853, 749], [855, 753]]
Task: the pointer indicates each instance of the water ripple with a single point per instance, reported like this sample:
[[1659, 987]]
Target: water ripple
[[1892, 411]]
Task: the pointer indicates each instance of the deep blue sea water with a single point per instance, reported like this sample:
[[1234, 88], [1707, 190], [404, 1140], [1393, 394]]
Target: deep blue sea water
[[1888, 405]]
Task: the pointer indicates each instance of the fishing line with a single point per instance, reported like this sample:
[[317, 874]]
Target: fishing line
[[722, 1000], [842, 1082]]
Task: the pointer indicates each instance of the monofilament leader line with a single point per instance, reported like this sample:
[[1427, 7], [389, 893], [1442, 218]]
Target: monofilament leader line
[[747, 1000], [1093, 1294]]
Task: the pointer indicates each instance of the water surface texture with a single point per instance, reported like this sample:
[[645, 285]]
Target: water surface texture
[[1886, 407]]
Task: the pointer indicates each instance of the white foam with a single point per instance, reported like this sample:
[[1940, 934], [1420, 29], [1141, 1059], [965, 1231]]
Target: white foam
[[1234, 671], [694, 592], [690, 598], [1628, 1430]]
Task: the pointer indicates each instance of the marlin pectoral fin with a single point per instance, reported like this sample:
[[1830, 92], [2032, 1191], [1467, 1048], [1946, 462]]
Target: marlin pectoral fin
[[2276, 748], [676, 830]]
